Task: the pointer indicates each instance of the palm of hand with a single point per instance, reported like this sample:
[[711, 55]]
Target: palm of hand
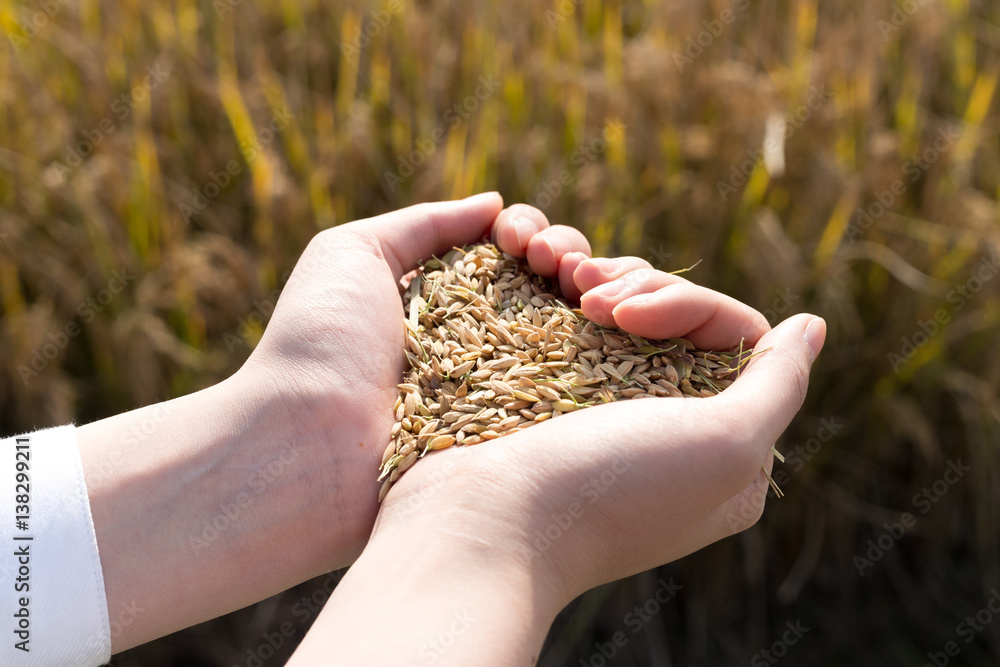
[[669, 474], [626, 485], [615, 489], [334, 351]]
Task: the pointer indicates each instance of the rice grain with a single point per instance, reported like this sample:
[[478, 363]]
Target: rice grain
[[493, 350]]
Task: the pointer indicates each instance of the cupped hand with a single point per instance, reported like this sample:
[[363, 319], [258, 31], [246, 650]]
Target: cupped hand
[[332, 354], [605, 492]]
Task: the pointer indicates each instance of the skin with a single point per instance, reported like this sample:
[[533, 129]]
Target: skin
[[280, 460]]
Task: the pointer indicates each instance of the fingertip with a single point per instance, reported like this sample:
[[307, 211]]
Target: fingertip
[[523, 229], [515, 226], [609, 265], [599, 270], [492, 198], [417, 232], [793, 332], [567, 269], [635, 313], [588, 274], [542, 256], [576, 257], [815, 337], [547, 248], [597, 309], [776, 380]]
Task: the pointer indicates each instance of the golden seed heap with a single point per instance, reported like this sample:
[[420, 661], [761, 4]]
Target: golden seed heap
[[493, 351]]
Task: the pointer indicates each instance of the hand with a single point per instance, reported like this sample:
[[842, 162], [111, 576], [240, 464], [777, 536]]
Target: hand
[[533, 519], [333, 350], [216, 500], [643, 482]]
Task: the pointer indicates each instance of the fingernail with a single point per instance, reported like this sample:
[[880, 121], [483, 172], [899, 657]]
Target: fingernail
[[573, 259], [608, 290], [815, 335], [639, 300], [481, 195], [607, 264], [522, 231]]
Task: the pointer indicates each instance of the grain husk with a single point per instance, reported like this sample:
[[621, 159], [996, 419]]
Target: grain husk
[[493, 350]]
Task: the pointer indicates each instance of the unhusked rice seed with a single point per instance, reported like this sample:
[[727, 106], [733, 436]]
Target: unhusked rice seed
[[493, 350]]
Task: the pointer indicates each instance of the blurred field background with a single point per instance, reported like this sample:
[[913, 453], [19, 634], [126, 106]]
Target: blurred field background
[[641, 123]]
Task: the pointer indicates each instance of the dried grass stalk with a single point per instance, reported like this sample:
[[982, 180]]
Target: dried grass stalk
[[493, 351]]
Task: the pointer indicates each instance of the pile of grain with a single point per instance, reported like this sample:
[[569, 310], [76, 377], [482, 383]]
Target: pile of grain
[[493, 351]]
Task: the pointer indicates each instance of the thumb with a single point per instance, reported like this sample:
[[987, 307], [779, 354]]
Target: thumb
[[772, 387], [417, 232]]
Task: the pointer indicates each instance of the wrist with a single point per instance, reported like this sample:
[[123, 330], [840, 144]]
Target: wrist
[[196, 501], [466, 555], [318, 457], [468, 596], [474, 517], [299, 458], [152, 482]]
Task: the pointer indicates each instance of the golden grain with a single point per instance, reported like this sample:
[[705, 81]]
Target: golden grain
[[492, 351]]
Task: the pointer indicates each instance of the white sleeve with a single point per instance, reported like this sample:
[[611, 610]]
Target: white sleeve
[[53, 608]]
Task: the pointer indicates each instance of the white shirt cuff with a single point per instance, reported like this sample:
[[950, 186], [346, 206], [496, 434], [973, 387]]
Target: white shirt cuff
[[53, 607]]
